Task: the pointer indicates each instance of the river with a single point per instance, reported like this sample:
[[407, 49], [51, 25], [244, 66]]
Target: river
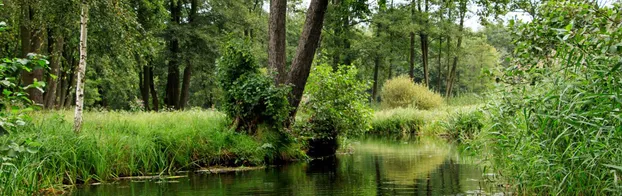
[[370, 167]]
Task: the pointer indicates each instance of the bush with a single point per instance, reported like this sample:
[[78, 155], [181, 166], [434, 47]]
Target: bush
[[337, 106], [398, 92], [397, 122], [250, 97], [463, 126], [402, 92], [425, 99]]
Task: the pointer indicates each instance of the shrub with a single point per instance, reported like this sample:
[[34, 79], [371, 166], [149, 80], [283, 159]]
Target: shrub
[[402, 92], [250, 97], [398, 92], [337, 106], [397, 122], [425, 99], [464, 125]]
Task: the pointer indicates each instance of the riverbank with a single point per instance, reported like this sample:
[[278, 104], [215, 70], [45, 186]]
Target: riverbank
[[409, 122], [117, 144], [113, 145]]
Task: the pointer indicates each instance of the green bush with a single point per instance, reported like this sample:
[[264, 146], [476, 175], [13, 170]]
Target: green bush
[[426, 99], [337, 106], [250, 97], [557, 123], [398, 92], [397, 122], [403, 92], [464, 126]]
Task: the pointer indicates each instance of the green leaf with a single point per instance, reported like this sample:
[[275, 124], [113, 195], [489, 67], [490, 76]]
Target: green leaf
[[613, 166]]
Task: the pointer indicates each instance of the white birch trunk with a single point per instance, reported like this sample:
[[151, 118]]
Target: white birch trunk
[[84, 17]]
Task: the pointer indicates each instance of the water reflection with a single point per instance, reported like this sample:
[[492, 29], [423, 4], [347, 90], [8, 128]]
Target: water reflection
[[425, 167]]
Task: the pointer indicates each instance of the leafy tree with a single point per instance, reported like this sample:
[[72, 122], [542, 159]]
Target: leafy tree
[[337, 108], [250, 97]]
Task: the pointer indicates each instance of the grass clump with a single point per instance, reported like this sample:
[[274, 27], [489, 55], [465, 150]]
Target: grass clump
[[396, 122], [114, 144], [402, 92], [463, 126]]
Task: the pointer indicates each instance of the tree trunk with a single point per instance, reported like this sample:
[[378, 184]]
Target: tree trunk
[[277, 40], [56, 42], [185, 87], [144, 86], [450, 83], [172, 83], [154, 94], [71, 84], [411, 73], [440, 64], [84, 17], [32, 40], [374, 90], [423, 35], [307, 45], [440, 49]]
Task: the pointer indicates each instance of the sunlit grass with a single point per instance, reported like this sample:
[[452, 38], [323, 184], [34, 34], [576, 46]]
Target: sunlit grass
[[114, 144]]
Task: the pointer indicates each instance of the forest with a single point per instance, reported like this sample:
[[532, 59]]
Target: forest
[[106, 91]]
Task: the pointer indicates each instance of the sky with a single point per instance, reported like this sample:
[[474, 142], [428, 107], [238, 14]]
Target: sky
[[472, 21]]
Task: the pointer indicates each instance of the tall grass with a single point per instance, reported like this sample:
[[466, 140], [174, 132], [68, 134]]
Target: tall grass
[[114, 144], [409, 121], [556, 126]]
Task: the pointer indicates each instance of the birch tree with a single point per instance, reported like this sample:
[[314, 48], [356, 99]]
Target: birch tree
[[84, 17]]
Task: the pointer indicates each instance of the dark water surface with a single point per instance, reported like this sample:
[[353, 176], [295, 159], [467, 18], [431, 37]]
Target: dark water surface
[[425, 167]]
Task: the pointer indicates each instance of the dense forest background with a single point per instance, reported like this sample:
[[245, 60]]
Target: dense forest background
[[159, 54]]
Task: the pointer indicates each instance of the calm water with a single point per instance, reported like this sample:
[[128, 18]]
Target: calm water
[[425, 167]]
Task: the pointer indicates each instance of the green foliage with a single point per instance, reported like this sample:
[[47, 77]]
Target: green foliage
[[397, 122], [114, 144], [463, 126], [557, 124], [398, 92], [337, 103], [402, 92], [250, 97], [14, 100], [426, 99]]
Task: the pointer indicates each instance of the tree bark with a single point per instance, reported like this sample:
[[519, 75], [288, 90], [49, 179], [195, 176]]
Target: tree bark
[[32, 40], [172, 83], [450, 83], [440, 64], [84, 17], [440, 49], [411, 71], [374, 90], [154, 95], [185, 87], [144, 86], [70, 82], [307, 45], [56, 42], [277, 40], [424, 57]]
